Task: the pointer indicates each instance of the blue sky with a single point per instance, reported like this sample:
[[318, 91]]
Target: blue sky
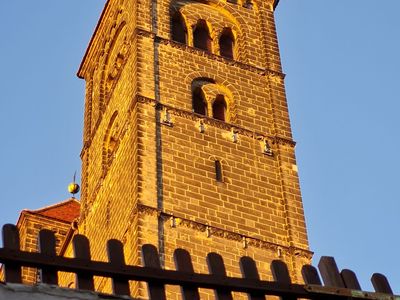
[[341, 59]]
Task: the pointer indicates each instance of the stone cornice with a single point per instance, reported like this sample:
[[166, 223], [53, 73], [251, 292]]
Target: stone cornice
[[216, 123], [247, 241], [238, 64]]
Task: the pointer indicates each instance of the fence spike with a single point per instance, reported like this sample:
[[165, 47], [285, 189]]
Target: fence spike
[[350, 279], [81, 248], [12, 271], [216, 267], [115, 252], [310, 275], [249, 270], [47, 246], [381, 284], [330, 272], [151, 259], [183, 263]]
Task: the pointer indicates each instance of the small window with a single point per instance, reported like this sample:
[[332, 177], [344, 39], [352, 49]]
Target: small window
[[226, 43], [199, 105], [178, 30], [219, 108], [218, 171], [201, 36]]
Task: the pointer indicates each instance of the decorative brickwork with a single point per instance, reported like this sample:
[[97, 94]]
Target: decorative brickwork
[[149, 155]]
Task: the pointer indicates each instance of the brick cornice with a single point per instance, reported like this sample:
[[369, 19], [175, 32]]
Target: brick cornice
[[216, 123], [215, 57], [210, 231]]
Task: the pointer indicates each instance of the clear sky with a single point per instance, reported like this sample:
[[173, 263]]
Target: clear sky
[[342, 64]]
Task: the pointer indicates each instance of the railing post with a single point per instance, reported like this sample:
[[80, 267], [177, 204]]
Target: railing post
[[249, 271], [47, 246], [350, 279], [280, 273], [216, 267], [152, 260], [81, 247], [115, 251], [381, 284], [183, 263], [12, 271], [330, 272], [310, 275]]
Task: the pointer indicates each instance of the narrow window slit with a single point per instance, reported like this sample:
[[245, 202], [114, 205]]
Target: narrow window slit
[[218, 171]]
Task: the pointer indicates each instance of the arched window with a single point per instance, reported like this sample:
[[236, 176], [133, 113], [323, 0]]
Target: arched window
[[219, 108], [201, 36], [226, 43], [198, 102], [178, 29]]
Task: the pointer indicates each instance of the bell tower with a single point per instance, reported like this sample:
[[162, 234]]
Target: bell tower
[[187, 139]]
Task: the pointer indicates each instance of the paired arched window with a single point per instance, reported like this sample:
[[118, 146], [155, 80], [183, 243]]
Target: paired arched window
[[178, 29], [201, 36], [226, 43], [210, 99], [219, 108]]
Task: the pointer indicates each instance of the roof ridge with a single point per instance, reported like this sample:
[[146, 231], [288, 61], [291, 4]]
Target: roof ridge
[[58, 204]]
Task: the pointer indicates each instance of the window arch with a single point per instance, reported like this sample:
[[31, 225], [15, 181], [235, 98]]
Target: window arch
[[178, 29], [219, 108], [201, 36], [212, 100], [114, 57], [198, 102], [226, 43]]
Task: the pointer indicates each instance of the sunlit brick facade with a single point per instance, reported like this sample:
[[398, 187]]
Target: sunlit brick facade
[[187, 139]]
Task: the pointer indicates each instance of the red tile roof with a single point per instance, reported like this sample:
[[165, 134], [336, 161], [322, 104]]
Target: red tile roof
[[66, 211]]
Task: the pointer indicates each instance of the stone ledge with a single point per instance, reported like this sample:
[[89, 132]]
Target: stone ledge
[[247, 241], [216, 123]]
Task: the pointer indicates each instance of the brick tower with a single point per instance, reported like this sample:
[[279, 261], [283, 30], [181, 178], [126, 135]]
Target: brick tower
[[187, 139]]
